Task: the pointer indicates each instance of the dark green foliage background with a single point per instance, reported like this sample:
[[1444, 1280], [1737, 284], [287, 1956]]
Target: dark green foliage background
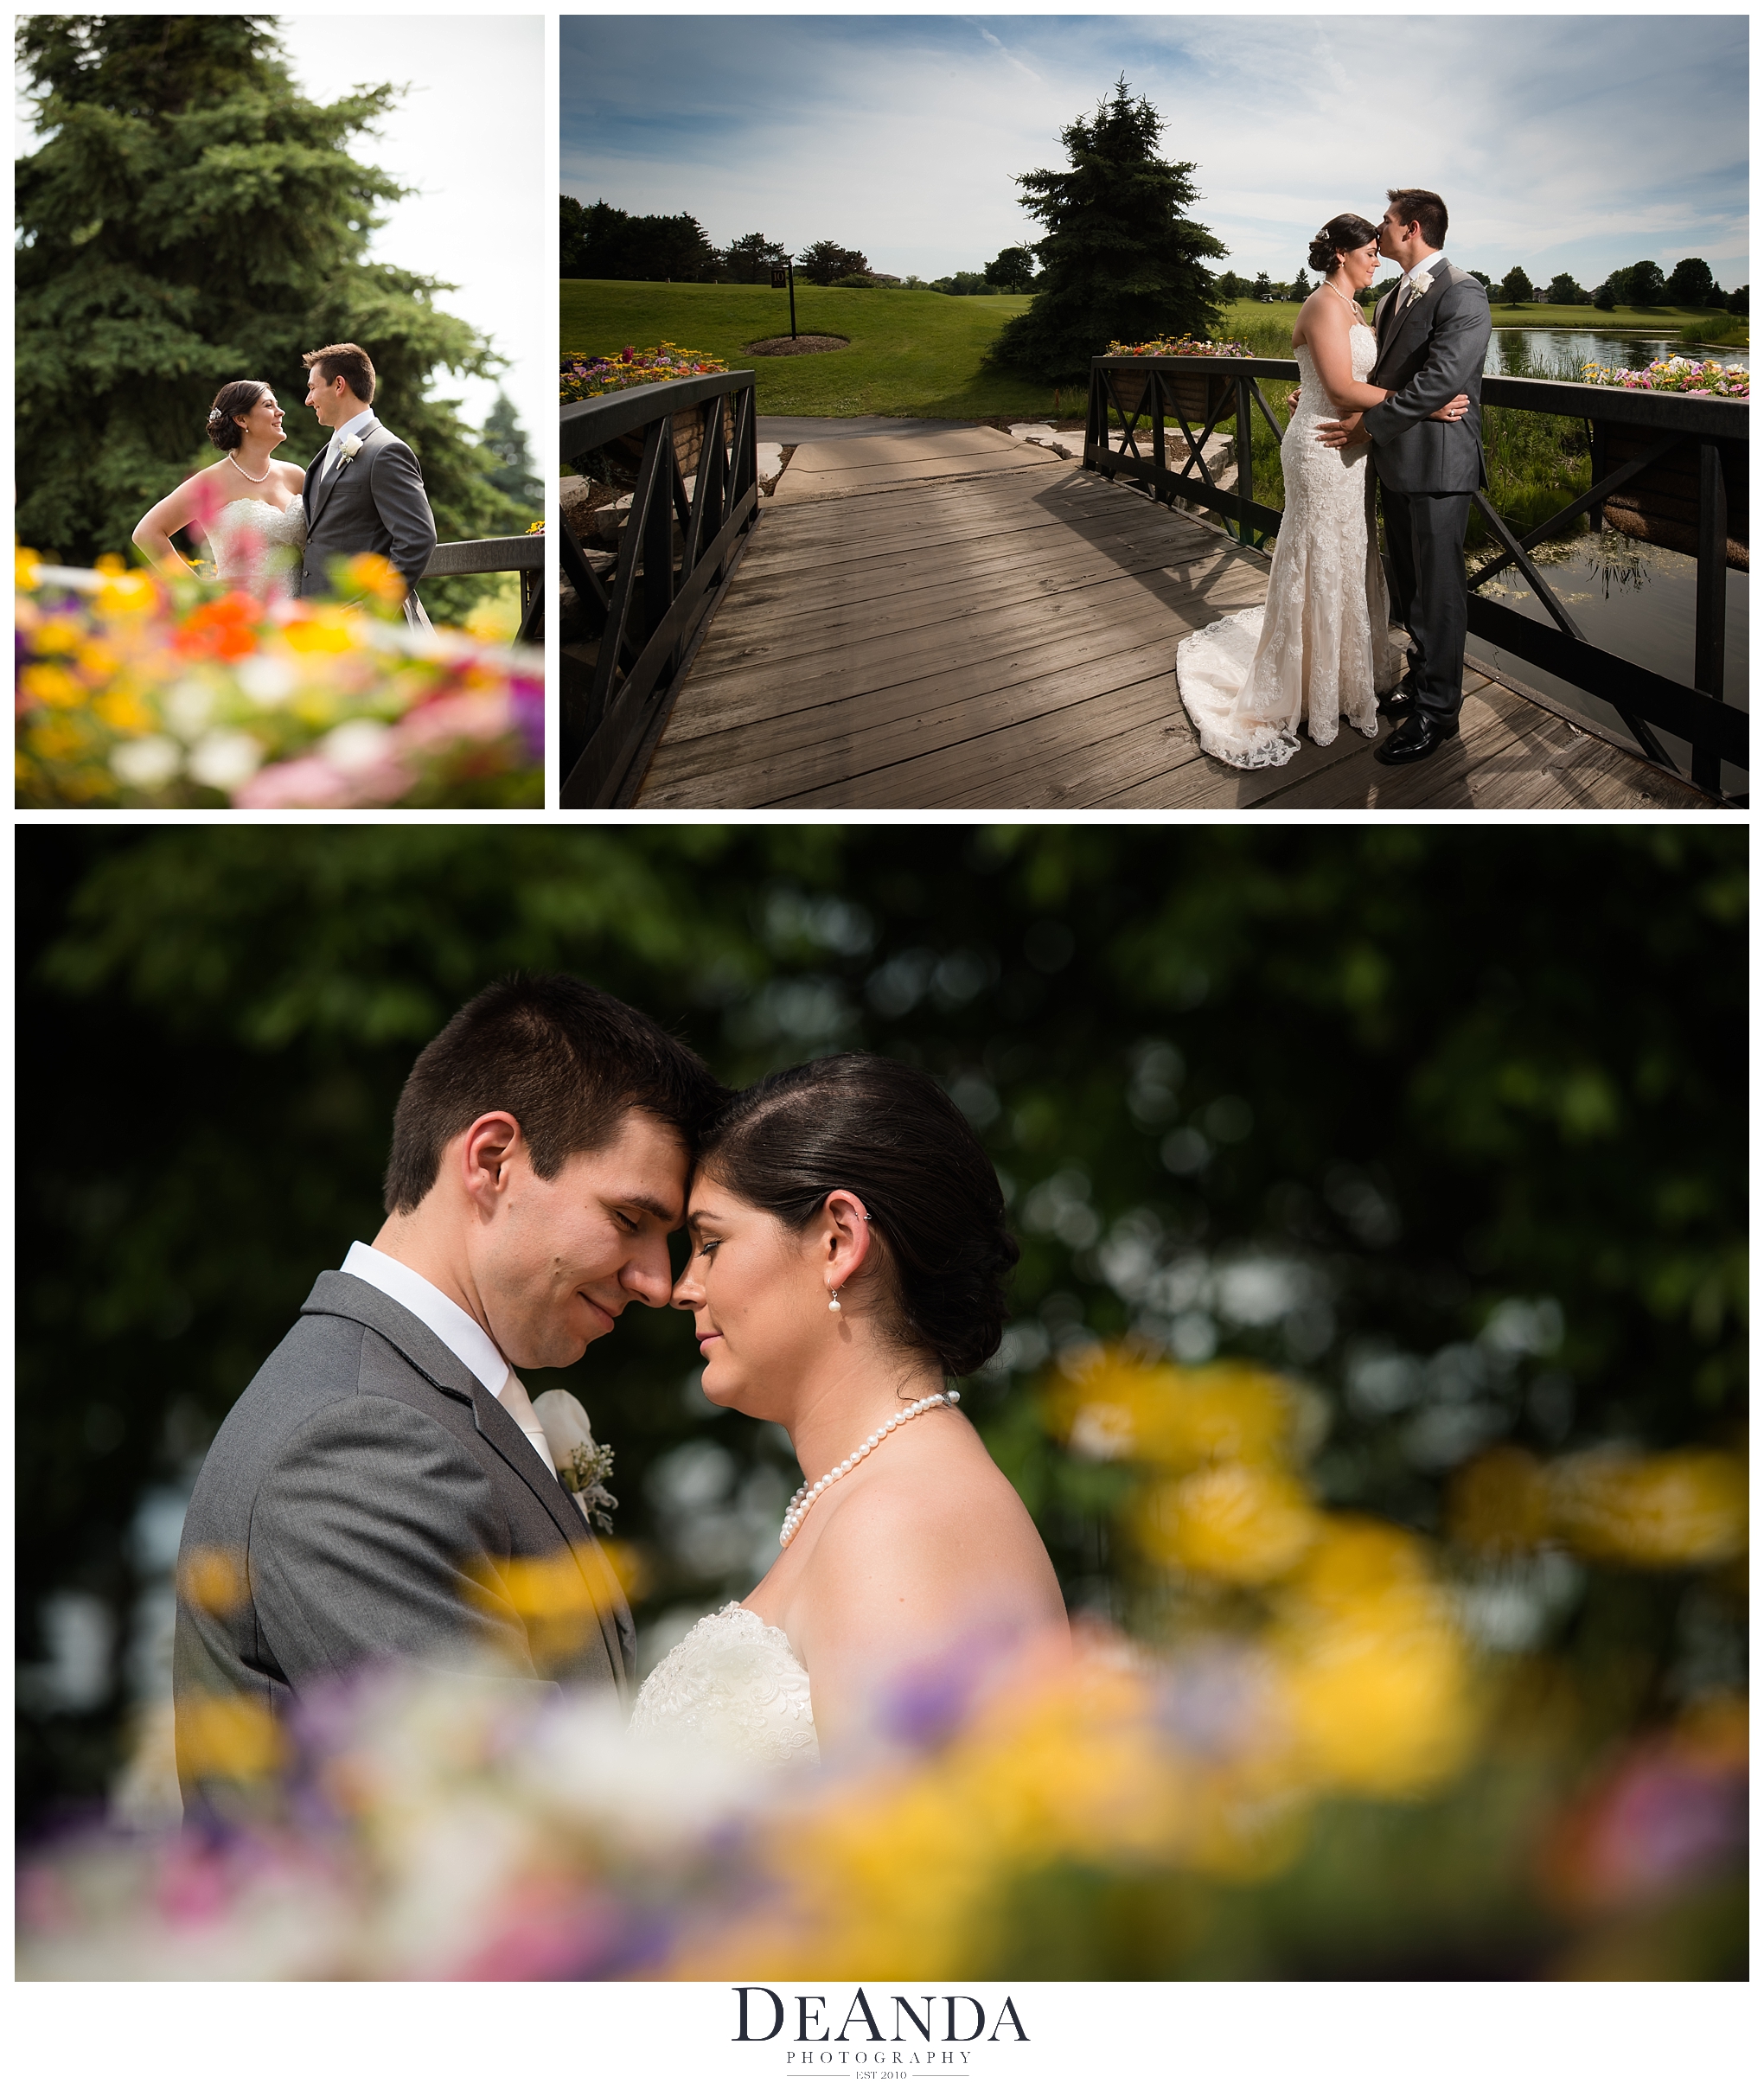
[[1530, 1042], [191, 219]]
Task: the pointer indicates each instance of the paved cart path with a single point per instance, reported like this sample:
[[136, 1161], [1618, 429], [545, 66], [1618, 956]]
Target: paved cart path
[[928, 620]]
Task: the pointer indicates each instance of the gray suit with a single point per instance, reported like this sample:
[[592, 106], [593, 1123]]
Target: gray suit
[[1428, 468], [368, 1494], [373, 500]]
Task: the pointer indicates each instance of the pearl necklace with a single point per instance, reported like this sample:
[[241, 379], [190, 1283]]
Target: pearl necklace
[[803, 1503], [245, 473]]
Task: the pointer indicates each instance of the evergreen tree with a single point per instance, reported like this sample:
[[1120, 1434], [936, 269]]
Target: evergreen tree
[[506, 437], [190, 218], [572, 229], [1122, 261], [1302, 286], [1605, 297], [1262, 290]]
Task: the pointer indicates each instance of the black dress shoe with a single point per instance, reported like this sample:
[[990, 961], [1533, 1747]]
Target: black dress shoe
[[1398, 703], [1421, 733]]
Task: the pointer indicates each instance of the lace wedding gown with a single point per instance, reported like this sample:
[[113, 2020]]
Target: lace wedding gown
[[1319, 649], [733, 1682], [257, 545]]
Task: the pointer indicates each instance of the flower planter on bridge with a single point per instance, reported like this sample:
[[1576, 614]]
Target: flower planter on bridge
[[626, 453], [1660, 505], [1193, 393]]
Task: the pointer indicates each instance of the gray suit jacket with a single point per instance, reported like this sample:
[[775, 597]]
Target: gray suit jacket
[[373, 500], [1433, 351], [366, 1495]]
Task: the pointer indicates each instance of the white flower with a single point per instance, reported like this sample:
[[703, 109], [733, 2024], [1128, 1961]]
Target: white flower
[[147, 763], [355, 746], [226, 760], [268, 681], [1423, 284], [189, 707], [352, 447]]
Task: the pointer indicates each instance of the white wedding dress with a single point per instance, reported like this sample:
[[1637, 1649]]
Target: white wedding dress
[[735, 1684], [1319, 651], [257, 546]]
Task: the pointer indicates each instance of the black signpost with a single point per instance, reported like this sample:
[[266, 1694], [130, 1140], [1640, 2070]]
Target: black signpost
[[782, 278]]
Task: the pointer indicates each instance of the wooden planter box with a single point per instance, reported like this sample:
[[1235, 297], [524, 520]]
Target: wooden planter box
[[1660, 506], [627, 451], [1192, 392]]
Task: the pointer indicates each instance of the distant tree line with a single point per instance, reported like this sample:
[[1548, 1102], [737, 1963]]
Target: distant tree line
[[598, 242], [1691, 286]]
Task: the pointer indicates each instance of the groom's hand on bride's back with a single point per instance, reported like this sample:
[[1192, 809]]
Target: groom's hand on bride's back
[[1339, 433]]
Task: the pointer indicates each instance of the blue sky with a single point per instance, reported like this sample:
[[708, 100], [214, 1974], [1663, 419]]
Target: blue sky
[[1578, 141]]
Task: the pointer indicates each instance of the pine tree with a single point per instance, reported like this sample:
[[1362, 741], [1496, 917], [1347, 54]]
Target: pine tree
[[505, 436], [1120, 260], [189, 218]]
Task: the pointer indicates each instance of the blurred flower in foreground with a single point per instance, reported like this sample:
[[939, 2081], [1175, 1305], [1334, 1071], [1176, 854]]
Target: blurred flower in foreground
[[1683, 1509], [134, 692], [1305, 1667]]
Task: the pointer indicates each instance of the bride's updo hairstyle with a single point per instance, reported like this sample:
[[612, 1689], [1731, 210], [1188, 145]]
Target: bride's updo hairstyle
[[224, 430], [1340, 235], [889, 1135]]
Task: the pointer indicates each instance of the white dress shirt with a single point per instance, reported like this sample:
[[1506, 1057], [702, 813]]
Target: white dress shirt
[[1410, 281], [462, 1335], [359, 427]]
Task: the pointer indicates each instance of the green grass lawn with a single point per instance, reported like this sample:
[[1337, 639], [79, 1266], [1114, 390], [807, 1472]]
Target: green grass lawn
[[914, 354]]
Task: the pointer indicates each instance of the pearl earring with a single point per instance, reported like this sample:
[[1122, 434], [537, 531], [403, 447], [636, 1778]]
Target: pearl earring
[[833, 1299]]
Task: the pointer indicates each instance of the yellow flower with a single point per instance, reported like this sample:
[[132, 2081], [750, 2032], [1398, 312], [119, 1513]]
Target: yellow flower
[[124, 711], [1373, 1672], [228, 1738], [1683, 1510], [376, 579], [53, 686], [326, 630], [1117, 1407], [1244, 1523], [127, 593], [27, 567], [98, 660], [214, 1579], [1500, 1504], [54, 637]]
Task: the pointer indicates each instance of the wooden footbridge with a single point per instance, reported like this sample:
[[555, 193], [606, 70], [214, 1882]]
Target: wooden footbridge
[[958, 620]]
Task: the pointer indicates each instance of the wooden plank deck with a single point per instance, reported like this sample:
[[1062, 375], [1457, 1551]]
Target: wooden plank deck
[[985, 626]]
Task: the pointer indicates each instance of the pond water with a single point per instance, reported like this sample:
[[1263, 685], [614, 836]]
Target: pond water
[[1634, 599], [1518, 350]]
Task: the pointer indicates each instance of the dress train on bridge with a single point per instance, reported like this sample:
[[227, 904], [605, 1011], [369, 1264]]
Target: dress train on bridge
[[1319, 651]]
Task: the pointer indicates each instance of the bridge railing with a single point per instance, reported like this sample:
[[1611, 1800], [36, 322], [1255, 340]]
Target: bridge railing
[[522, 553], [677, 549], [1148, 415]]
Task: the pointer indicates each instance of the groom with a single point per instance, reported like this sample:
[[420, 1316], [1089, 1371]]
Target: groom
[[1433, 334], [364, 490], [382, 1488]]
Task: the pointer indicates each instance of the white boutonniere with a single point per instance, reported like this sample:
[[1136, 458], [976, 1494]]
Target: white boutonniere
[[1423, 284], [582, 1467], [351, 447]]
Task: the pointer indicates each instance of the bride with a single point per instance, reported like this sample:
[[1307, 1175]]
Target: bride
[[847, 1254], [248, 505], [1319, 651]]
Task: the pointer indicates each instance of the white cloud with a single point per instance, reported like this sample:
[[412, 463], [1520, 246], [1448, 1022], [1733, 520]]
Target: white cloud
[[1584, 142]]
